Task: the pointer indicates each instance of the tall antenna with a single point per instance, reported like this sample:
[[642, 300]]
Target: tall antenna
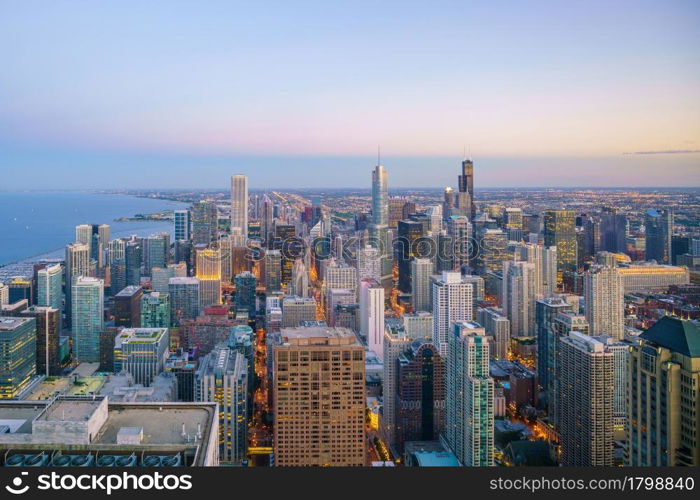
[[379, 155]]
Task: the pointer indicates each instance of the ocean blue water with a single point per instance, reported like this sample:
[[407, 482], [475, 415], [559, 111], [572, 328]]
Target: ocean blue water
[[41, 224]]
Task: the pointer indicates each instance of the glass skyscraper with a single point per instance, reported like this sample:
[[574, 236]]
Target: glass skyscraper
[[88, 317]]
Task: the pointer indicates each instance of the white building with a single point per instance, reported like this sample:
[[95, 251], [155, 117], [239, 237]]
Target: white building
[[604, 293], [372, 315], [452, 301], [239, 203]]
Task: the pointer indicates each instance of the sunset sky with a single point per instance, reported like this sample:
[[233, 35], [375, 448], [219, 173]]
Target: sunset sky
[[299, 94]]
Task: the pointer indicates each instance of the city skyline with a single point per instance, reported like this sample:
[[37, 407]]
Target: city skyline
[[572, 94]]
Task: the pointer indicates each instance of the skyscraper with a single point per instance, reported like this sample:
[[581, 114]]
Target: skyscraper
[[184, 298], [127, 307], [297, 309], [659, 232], [222, 376], [48, 328], [50, 287], [319, 407], [182, 225], [300, 279], [421, 270], [585, 376], [239, 203], [604, 293], [244, 298], [465, 194], [663, 396], [209, 276], [395, 343], [409, 233], [560, 231], [469, 429], [88, 317], [452, 302], [372, 315], [77, 264], [369, 264], [378, 229], [17, 356], [155, 310], [273, 270], [497, 326], [204, 215], [519, 297], [141, 352]]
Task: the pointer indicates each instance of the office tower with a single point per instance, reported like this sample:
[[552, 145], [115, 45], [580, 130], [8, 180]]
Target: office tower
[[420, 395], [372, 315], [141, 352], [17, 356], [493, 250], [244, 297], [514, 218], [127, 307], [395, 343], [117, 275], [273, 270], [88, 317], [77, 264], [378, 229], [107, 339], [319, 398], [369, 263], [612, 230], [297, 309], [4, 294], [209, 275], [448, 203], [205, 222], [289, 245], [50, 287], [182, 225], [160, 276], [604, 293], [21, 289], [155, 310], [435, 215], [300, 280], [133, 259], [519, 297], [478, 289], [225, 247], [409, 233], [620, 350], [546, 310], [335, 299], [663, 397], [469, 429], [459, 227], [184, 298], [340, 276], [452, 301], [444, 258], [585, 376], [239, 203], [421, 270], [549, 270], [465, 194], [497, 326], [222, 376], [560, 231], [116, 250], [96, 237], [83, 234], [544, 259], [184, 252], [659, 230], [266, 216], [158, 251]]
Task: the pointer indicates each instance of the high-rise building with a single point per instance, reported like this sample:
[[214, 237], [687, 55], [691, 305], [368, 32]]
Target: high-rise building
[[663, 396], [369, 263], [546, 311], [519, 297], [493, 251], [134, 262], [239, 203], [209, 275], [141, 352], [88, 317], [182, 225], [659, 232], [395, 343], [418, 325], [452, 301], [465, 194], [50, 287], [459, 227], [420, 395], [585, 376], [560, 231], [496, 326], [48, 328], [157, 251], [319, 398], [222, 376], [604, 293], [299, 285], [273, 270], [160, 276], [612, 230], [77, 264], [17, 355], [4, 294], [378, 229], [204, 215], [421, 270], [297, 309], [184, 298], [127, 307], [155, 310], [372, 315], [469, 429], [409, 233], [244, 297]]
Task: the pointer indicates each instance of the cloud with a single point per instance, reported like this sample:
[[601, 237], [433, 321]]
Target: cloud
[[664, 152]]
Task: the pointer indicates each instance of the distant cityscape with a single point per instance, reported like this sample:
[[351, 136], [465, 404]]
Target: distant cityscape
[[386, 327]]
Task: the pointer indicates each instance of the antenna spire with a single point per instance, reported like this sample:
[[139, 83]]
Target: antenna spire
[[379, 155]]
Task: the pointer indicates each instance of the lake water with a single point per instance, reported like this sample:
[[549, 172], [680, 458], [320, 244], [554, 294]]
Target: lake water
[[37, 224]]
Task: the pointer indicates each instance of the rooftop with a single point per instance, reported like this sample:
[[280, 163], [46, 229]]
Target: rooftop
[[306, 335], [675, 334]]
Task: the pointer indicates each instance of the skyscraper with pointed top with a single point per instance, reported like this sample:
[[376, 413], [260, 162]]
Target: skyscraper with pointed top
[[380, 215], [465, 194]]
